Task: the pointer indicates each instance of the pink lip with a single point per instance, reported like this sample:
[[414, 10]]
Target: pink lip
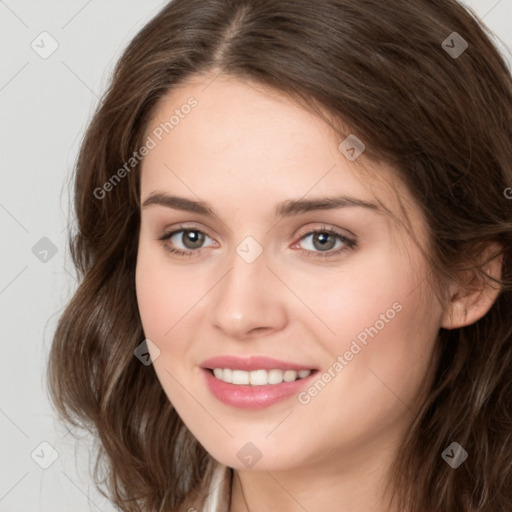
[[252, 397], [251, 363]]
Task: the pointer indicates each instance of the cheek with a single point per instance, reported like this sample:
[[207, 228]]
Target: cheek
[[375, 368], [163, 298], [351, 298], [384, 324], [164, 292], [386, 341], [400, 354], [151, 298]]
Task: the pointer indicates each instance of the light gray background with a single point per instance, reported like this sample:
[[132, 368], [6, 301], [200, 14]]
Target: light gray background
[[46, 104]]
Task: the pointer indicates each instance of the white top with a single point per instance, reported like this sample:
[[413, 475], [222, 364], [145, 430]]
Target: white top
[[220, 490]]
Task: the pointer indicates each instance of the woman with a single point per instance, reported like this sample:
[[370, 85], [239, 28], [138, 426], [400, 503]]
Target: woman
[[298, 213]]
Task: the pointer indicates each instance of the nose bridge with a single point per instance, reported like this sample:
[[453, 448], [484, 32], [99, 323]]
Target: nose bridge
[[248, 271], [243, 300]]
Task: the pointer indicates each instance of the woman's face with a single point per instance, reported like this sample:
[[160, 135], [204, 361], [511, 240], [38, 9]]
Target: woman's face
[[271, 270]]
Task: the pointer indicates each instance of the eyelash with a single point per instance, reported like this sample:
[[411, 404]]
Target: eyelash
[[349, 243]]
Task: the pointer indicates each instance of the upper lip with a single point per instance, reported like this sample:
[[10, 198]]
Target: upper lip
[[251, 363]]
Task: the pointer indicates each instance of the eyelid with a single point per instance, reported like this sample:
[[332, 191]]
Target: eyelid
[[350, 241], [325, 227], [302, 232], [169, 231]]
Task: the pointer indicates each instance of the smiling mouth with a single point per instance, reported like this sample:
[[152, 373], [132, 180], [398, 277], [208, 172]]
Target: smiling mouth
[[258, 377]]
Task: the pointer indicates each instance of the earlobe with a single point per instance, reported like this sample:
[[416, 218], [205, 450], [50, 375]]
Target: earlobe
[[471, 301]]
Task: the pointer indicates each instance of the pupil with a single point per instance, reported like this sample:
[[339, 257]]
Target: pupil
[[324, 243], [193, 239]]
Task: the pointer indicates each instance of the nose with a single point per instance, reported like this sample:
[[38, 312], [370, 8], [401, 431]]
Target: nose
[[249, 300]]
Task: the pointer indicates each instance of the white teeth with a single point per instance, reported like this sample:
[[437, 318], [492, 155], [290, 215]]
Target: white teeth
[[289, 376], [275, 376], [259, 377], [240, 377]]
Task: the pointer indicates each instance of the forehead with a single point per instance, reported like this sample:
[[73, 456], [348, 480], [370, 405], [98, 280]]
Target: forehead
[[236, 124], [241, 142]]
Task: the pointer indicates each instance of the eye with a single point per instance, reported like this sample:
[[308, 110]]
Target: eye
[[323, 241], [191, 240], [321, 244]]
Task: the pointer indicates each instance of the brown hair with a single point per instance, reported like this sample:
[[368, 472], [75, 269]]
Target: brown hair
[[442, 120]]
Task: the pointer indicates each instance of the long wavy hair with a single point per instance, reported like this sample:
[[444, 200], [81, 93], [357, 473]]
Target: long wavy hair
[[443, 120]]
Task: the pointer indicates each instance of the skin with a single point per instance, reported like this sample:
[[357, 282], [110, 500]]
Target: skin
[[244, 150]]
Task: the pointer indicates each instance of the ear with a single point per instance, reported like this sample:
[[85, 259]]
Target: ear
[[473, 296]]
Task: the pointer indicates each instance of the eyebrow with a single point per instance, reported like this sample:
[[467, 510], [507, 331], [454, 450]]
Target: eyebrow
[[286, 208]]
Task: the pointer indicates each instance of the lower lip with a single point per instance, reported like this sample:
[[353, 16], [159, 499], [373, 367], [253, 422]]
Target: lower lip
[[253, 397]]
